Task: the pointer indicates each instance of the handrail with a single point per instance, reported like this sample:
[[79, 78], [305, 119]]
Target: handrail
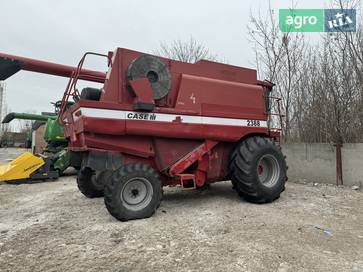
[[71, 89], [278, 113]]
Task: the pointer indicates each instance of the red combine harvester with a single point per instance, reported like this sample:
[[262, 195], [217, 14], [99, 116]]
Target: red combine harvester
[[158, 122]]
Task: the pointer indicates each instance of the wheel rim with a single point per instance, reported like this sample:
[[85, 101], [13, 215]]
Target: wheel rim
[[137, 193], [268, 170]]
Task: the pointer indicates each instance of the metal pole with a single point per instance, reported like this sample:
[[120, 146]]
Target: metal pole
[[339, 168]]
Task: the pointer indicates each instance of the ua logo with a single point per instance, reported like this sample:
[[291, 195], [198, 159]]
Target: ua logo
[[341, 20]]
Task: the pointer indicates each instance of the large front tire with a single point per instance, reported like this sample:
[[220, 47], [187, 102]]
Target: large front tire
[[258, 170], [133, 192]]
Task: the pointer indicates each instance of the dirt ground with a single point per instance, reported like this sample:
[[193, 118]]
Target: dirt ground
[[51, 226]]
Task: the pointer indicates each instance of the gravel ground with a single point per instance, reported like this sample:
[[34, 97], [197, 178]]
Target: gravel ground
[[51, 226]]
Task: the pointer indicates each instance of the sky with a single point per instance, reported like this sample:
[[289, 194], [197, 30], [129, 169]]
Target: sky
[[61, 31]]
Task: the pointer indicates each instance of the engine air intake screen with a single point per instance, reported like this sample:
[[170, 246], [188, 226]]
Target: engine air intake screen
[[155, 70]]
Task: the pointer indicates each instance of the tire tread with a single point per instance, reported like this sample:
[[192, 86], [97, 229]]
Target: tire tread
[[110, 197], [242, 170]]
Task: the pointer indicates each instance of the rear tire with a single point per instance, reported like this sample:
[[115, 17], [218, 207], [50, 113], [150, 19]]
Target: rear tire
[[133, 192], [88, 184], [257, 169]]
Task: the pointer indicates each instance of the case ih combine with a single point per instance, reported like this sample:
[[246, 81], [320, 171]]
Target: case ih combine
[[158, 122]]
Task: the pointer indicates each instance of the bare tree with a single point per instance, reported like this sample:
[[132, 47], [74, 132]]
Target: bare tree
[[351, 44], [188, 51], [321, 86], [279, 59]]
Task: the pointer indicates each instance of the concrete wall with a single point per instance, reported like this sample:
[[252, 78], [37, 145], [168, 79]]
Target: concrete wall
[[316, 162], [352, 157]]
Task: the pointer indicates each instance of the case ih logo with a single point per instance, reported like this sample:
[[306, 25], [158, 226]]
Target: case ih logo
[[141, 116], [317, 20]]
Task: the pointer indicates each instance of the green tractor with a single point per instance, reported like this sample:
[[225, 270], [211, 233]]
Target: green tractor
[[55, 153]]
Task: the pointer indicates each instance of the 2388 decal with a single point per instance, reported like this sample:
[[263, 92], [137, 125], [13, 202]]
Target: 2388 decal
[[253, 123]]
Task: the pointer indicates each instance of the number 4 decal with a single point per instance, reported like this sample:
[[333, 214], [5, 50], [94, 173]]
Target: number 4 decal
[[192, 97]]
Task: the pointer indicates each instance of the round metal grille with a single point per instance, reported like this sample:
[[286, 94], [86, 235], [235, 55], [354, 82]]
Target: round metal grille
[[156, 71]]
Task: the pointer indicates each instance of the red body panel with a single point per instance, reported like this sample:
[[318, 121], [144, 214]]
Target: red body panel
[[192, 130]]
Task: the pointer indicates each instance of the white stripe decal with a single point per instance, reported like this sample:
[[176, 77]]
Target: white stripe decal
[[164, 117]]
